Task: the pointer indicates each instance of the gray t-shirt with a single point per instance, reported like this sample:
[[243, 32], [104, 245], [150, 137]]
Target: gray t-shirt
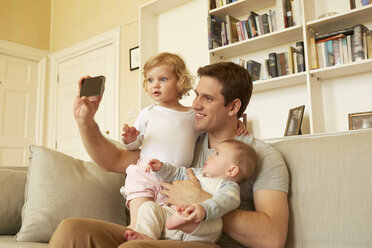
[[271, 173]]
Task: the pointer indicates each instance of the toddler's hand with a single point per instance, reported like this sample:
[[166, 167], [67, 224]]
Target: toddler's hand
[[130, 134], [154, 165]]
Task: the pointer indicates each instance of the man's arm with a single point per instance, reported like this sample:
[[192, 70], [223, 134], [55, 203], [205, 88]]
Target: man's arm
[[266, 227], [101, 150]]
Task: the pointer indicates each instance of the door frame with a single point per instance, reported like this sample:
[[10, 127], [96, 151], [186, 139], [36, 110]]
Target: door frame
[[109, 38], [40, 56]]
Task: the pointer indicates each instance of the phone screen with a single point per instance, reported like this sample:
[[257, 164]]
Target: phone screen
[[92, 86]]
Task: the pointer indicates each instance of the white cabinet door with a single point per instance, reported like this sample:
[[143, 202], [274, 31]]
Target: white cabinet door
[[18, 85], [94, 63]]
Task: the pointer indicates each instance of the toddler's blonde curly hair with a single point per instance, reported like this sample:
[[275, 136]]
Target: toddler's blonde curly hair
[[185, 79]]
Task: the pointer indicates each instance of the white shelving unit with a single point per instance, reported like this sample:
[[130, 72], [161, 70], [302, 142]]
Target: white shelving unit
[[328, 94]]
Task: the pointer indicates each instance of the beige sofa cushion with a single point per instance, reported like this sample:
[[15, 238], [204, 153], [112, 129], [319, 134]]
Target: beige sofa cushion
[[59, 186], [330, 196], [12, 187]]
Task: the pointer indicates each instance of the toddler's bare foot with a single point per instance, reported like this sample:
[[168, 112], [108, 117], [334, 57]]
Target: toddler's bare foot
[[133, 235]]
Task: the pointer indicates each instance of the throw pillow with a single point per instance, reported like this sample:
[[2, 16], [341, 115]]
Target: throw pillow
[[59, 186], [12, 188]]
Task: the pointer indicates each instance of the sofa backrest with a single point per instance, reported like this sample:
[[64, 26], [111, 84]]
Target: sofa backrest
[[330, 196]]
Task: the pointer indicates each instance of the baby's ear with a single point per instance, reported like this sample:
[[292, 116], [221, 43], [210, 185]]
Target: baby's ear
[[232, 171]]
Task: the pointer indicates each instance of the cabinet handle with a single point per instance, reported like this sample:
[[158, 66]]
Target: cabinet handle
[[107, 132]]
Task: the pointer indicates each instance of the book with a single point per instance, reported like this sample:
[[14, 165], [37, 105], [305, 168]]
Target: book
[[223, 34], [313, 50], [254, 69], [291, 51], [232, 34], [258, 24], [369, 44], [278, 65], [238, 30], [300, 56], [320, 51], [336, 52], [265, 23], [288, 13], [215, 26], [345, 31], [273, 71], [349, 49], [330, 59], [357, 42], [253, 25]]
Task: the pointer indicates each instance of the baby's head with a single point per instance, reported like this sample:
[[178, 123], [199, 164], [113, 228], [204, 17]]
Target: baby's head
[[232, 160], [176, 65]]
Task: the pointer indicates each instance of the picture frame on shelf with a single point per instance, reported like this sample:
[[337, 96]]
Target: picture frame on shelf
[[134, 58], [360, 120], [294, 121]]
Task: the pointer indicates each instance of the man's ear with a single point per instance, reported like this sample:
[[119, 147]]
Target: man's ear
[[234, 107], [232, 171]]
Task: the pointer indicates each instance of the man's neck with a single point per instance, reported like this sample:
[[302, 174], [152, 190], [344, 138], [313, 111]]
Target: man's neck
[[228, 131]]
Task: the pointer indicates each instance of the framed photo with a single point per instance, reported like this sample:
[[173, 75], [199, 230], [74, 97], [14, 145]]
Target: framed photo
[[294, 121], [360, 120], [134, 58]]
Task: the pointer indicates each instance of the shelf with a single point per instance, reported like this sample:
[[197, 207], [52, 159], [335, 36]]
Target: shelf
[[157, 7], [279, 82], [287, 35], [342, 70], [342, 20], [240, 8]]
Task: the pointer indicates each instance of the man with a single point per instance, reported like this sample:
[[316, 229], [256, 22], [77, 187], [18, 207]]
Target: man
[[222, 95]]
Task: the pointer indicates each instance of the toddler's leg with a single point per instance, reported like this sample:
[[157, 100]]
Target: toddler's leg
[[134, 204], [177, 221]]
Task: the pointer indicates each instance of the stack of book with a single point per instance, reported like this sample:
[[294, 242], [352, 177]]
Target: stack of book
[[278, 64], [341, 46], [230, 30], [288, 62]]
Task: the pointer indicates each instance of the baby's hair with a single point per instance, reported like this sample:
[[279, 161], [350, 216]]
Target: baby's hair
[[245, 158], [185, 79]]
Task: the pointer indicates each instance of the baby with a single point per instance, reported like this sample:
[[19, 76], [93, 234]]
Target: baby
[[232, 162]]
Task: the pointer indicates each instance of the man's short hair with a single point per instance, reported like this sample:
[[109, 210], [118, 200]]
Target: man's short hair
[[235, 80]]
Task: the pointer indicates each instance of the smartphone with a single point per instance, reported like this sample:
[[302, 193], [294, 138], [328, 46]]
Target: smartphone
[[92, 86]]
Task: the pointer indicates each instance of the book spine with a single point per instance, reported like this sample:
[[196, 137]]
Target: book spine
[[258, 25], [349, 39], [278, 65], [357, 43], [266, 24], [336, 52], [329, 53], [369, 44], [300, 56], [237, 24], [289, 15], [273, 71]]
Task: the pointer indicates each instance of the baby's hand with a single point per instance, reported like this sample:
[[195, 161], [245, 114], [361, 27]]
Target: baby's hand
[[130, 134], [154, 165], [194, 212]]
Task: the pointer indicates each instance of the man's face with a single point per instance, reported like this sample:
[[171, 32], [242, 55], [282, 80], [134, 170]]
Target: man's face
[[208, 105]]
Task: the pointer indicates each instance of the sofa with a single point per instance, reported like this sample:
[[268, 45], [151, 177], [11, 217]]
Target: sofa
[[330, 196]]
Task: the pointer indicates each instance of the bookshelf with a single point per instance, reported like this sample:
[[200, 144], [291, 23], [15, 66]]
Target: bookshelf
[[328, 94]]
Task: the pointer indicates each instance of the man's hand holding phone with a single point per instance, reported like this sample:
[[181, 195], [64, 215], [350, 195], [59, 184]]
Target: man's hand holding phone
[[85, 107]]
